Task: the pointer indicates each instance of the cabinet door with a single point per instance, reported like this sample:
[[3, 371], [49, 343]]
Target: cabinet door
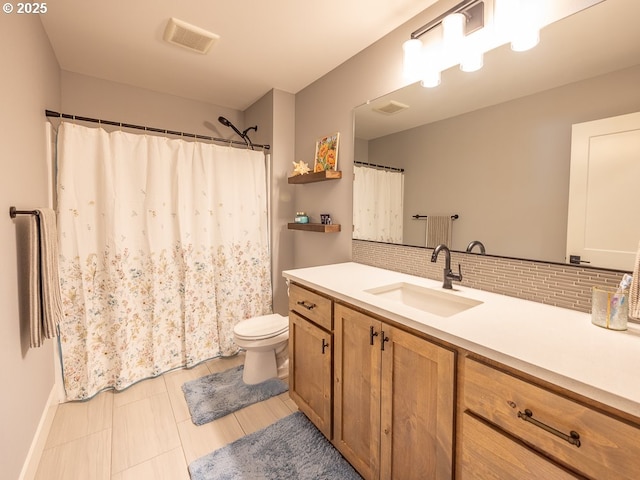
[[310, 371], [417, 407], [357, 390], [486, 454]]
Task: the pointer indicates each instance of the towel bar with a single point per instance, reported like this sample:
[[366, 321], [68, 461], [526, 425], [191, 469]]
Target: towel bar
[[13, 212]]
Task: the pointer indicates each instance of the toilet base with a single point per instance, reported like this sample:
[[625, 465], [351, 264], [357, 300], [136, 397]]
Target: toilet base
[[259, 366]]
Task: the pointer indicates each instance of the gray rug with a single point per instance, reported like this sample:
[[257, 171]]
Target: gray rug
[[290, 448], [219, 394]]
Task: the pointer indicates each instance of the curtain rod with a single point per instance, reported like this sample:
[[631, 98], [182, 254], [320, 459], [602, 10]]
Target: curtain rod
[[453, 217], [394, 169], [51, 113]]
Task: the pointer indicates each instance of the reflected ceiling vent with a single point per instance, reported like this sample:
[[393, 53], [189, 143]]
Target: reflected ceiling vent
[[189, 36], [391, 108]]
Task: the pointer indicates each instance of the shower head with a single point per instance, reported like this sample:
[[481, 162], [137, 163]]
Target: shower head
[[242, 135], [225, 122]]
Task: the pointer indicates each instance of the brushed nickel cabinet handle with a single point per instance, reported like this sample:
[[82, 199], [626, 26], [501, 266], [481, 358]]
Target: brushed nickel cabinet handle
[[573, 438]]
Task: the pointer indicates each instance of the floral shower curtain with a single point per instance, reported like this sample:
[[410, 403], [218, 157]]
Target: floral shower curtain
[[378, 197], [163, 249]]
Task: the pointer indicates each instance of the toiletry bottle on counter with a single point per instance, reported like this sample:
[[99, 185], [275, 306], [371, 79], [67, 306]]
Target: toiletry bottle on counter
[[301, 217]]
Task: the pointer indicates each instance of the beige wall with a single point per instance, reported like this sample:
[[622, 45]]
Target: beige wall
[[29, 84], [327, 106], [275, 116], [92, 97], [504, 169]]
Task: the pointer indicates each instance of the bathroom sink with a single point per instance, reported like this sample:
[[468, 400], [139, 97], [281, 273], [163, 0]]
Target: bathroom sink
[[429, 300]]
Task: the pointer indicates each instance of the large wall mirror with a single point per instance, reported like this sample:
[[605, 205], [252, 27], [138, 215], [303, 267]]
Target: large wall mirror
[[494, 146]]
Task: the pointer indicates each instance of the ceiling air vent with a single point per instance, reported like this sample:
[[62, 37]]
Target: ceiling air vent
[[391, 107], [189, 36]]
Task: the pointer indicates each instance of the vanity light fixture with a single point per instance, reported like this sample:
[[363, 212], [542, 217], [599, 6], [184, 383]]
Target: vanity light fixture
[[514, 21], [425, 63]]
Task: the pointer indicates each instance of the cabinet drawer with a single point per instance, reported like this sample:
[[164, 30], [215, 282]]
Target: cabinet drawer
[[311, 305], [487, 453], [609, 448]]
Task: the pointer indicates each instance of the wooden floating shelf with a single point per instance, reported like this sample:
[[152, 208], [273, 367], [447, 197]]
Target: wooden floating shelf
[[314, 227], [316, 177]]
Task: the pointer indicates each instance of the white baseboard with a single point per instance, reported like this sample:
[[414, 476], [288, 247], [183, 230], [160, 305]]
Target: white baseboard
[[30, 466]]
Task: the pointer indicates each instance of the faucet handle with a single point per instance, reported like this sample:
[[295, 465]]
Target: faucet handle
[[458, 277]]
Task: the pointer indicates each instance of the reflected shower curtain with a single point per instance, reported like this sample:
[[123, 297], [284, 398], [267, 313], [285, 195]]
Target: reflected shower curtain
[[377, 204], [163, 249]]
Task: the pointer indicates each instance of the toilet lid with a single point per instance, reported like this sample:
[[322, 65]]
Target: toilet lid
[[266, 326]]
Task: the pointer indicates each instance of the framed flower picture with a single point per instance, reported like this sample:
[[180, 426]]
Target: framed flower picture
[[327, 153]]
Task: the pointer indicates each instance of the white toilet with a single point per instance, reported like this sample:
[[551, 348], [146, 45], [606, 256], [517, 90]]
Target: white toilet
[[266, 340]]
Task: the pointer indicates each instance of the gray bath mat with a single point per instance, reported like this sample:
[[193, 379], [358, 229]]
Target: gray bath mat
[[290, 448], [219, 394]]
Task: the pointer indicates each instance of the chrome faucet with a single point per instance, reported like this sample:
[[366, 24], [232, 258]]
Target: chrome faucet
[[448, 274], [479, 244]]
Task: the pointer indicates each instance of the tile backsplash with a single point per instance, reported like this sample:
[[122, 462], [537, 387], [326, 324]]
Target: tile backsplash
[[561, 285]]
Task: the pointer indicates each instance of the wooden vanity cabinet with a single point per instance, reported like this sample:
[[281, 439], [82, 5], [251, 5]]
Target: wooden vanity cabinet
[[537, 429], [393, 399], [310, 355]]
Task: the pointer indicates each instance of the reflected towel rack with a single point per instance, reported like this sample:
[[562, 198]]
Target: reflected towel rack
[[453, 217], [13, 212]]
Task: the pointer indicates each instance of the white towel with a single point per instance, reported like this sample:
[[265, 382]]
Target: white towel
[[45, 301], [634, 292], [438, 230]]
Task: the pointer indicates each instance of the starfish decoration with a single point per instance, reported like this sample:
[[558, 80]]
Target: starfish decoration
[[300, 168]]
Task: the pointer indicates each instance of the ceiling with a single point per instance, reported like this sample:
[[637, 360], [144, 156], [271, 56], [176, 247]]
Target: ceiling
[[282, 44]]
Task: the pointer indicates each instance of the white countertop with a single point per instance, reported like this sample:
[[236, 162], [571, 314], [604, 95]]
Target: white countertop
[[555, 344]]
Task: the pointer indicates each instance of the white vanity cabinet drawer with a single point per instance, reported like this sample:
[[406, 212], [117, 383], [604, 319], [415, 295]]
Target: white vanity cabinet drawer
[[603, 447], [311, 305]]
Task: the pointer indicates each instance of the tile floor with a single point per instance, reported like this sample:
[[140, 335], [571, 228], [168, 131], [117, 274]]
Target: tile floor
[[145, 432]]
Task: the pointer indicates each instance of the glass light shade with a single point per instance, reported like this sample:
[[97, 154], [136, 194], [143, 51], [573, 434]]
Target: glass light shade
[[453, 27], [413, 59], [431, 78], [525, 26], [471, 61], [431, 65], [505, 14], [525, 40]]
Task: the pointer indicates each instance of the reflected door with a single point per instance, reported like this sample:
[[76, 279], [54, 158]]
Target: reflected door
[[603, 225]]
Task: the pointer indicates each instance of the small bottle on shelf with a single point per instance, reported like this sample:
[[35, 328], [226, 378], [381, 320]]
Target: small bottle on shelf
[[301, 217]]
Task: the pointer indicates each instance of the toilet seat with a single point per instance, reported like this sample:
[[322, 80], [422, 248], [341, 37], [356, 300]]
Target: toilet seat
[[263, 327]]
